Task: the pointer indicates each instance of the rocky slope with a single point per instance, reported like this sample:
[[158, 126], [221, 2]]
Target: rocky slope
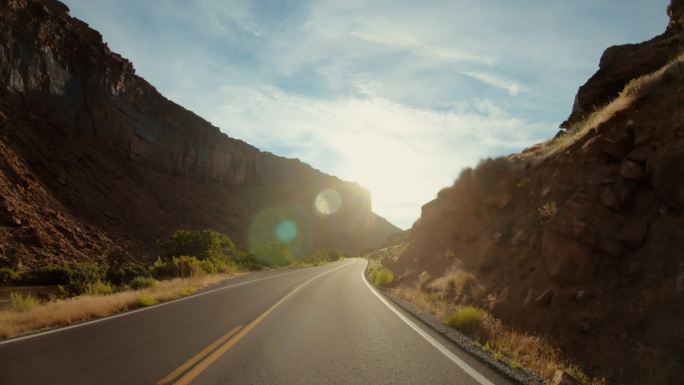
[[93, 158], [580, 239]]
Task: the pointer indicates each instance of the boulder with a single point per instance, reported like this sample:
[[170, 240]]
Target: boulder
[[616, 149], [639, 154], [565, 260], [631, 170], [561, 377], [610, 200], [667, 180]]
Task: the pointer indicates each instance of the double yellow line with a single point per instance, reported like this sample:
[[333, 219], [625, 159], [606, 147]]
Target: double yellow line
[[193, 367]]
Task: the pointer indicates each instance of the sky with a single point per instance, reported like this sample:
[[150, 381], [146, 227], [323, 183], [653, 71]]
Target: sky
[[396, 95]]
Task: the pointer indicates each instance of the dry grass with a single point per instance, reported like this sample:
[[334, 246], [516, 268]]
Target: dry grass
[[634, 90], [20, 303], [531, 352], [85, 307], [468, 319]]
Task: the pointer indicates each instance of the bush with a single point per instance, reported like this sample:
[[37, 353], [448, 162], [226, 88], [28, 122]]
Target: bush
[[83, 275], [138, 283], [490, 171], [205, 244], [248, 261], [123, 268], [381, 276], [22, 303], [186, 291], [182, 266], [274, 254], [547, 211], [145, 300], [75, 277], [98, 288], [319, 257], [8, 275], [467, 319], [47, 275]]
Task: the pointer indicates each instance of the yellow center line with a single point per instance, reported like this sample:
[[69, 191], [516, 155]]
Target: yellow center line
[[197, 357], [226, 342]]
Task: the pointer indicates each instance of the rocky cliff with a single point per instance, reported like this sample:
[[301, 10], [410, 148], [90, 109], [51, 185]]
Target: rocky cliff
[[580, 239], [93, 158]]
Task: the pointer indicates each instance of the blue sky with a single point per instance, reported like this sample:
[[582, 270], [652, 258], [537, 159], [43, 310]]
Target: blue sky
[[396, 95]]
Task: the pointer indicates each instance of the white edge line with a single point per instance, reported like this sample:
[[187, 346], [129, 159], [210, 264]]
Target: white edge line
[[451, 356], [127, 313]]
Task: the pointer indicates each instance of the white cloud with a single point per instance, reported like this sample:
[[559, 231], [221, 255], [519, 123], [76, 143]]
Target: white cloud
[[412, 44], [403, 154], [512, 87], [377, 92]]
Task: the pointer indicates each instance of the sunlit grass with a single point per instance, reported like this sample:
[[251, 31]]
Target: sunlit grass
[[34, 316], [468, 319], [380, 275], [22, 303], [145, 300], [632, 91], [525, 351]]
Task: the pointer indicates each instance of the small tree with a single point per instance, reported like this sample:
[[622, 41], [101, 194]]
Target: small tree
[[205, 244], [274, 254]]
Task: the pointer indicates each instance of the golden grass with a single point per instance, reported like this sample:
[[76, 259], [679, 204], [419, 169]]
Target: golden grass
[[467, 319], [85, 307], [632, 91], [531, 352]]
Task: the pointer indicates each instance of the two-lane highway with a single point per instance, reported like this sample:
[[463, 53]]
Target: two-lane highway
[[322, 325]]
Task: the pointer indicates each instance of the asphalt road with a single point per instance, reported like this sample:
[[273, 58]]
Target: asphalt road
[[321, 325]]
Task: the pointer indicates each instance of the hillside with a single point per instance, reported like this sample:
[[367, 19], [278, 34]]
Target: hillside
[[93, 158], [578, 239]]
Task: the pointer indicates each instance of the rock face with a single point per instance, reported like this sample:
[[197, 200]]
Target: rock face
[[93, 157], [622, 63], [581, 244]]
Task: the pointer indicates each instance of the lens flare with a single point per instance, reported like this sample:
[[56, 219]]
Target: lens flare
[[286, 231], [327, 202], [287, 225]]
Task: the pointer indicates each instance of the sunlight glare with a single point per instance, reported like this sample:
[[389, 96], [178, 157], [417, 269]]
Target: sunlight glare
[[327, 202]]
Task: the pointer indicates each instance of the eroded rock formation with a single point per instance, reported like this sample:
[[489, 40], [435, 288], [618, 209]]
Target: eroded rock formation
[[94, 158]]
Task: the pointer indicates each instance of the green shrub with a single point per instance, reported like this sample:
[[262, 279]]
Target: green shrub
[[274, 254], [248, 261], [8, 275], [138, 283], [319, 257], [381, 276], [47, 275], [498, 356], [145, 300], [74, 277], [186, 291], [98, 288], [22, 303], [203, 245], [182, 266], [122, 268], [469, 320]]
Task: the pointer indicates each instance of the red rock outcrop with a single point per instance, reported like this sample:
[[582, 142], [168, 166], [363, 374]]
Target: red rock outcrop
[[582, 242], [621, 63]]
